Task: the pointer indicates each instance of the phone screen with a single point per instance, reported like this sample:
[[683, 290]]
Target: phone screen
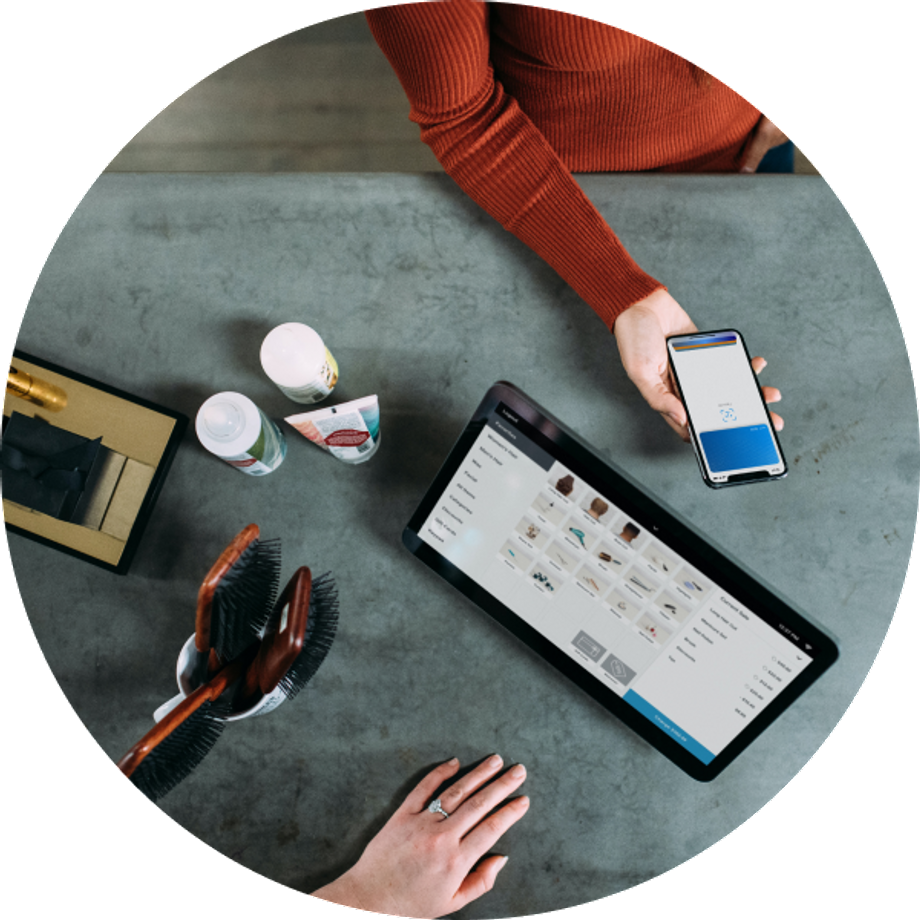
[[729, 422]]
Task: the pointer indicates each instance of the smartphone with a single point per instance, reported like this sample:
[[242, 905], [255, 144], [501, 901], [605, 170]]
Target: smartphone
[[730, 426]]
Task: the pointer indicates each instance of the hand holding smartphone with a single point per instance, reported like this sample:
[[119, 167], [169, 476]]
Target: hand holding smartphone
[[730, 426]]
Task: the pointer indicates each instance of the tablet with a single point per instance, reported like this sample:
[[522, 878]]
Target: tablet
[[621, 594]]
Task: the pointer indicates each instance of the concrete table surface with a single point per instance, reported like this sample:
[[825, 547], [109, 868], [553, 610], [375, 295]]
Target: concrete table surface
[[165, 285]]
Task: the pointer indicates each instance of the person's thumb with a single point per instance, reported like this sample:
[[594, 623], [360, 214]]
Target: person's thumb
[[479, 881], [758, 150], [760, 144]]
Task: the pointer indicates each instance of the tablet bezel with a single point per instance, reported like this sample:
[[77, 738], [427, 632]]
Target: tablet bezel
[[669, 526]]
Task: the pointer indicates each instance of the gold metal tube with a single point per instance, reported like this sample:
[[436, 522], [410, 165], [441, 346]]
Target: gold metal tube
[[40, 392]]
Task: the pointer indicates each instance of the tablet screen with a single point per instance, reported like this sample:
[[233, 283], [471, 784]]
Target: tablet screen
[[610, 587]]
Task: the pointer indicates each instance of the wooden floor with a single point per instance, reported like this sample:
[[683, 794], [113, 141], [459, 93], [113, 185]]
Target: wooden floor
[[323, 99]]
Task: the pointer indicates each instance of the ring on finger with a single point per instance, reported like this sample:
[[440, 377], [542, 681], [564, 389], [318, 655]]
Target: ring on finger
[[435, 808]]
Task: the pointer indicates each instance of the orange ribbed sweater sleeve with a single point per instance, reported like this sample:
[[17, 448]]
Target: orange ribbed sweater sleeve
[[440, 52]]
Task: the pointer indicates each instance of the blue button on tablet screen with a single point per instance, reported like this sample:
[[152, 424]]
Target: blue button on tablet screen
[[741, 448], [670, 728]]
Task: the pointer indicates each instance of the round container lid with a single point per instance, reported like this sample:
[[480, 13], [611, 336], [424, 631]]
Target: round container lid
[[222, 420], [292, 354], [228, 422]]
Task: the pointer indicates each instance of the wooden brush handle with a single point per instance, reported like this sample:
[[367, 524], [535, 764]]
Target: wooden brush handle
[[279, 647], [249, 691], [219, 570], [191, 704]]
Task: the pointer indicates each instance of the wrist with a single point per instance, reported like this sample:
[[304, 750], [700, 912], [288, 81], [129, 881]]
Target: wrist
[[658, 302], [342, 891], [659, 307]]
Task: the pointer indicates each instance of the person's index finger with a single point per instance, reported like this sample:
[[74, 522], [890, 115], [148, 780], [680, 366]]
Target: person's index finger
[[424, 792], [457, 793]]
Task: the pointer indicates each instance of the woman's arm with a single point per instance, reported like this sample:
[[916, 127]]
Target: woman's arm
[[440, 52]]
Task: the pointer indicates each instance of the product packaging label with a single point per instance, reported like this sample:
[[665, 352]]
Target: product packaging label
[[348, 437], [319, 387], [265, 455], [345, 435], [247, 464], [350, 433]]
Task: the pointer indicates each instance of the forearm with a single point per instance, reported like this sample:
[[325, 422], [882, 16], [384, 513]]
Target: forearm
[[512, 172], [495, 153]]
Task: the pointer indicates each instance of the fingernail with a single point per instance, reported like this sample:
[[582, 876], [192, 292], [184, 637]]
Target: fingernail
[[495, 761], [452, 762], [503, 863], [517, 771], [746, 169], [675, 418]]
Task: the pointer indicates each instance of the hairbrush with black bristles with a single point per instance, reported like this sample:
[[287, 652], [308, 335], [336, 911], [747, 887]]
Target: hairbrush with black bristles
[[235, 600], [297, 638], [182, 738]]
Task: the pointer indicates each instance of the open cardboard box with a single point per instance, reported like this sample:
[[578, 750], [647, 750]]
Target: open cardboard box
[[141, 440]]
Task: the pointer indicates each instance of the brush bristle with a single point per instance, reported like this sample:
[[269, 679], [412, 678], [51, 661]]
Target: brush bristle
[[322, 622], [176, 756], [244, 599]]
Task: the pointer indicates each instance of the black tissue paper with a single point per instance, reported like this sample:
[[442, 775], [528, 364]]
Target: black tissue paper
[[46, 468]]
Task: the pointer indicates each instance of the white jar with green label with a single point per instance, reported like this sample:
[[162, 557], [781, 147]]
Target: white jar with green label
[[231, 426], [297, 361]]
